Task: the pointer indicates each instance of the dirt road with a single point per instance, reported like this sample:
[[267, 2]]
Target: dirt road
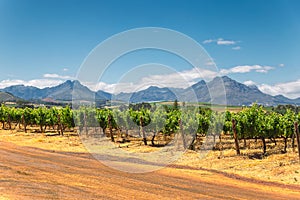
[[32, 173]]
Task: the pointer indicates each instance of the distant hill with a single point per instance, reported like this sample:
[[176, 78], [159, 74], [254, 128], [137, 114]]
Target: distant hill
[[150, 94], [236, 93], [103, 95], [5, 96], [240, 94], [63, 92], [25, 92]]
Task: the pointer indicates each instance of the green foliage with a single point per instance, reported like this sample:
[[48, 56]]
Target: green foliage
[[139, 106], [103, 116], [227, 122], [175, 105], [140, 117], [41, 116], [3, 113], [252, 122], [158, 120], [286, 124], [67, 118], [172, 121], [203, 122]]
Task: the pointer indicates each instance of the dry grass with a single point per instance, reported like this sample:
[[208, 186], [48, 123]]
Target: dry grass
[[67, 143], [275, 167]]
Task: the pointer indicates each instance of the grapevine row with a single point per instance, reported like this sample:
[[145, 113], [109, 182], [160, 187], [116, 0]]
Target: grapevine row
[[250, 123]]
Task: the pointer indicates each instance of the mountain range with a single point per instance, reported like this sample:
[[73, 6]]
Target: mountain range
[[236, 93], [5, 96]]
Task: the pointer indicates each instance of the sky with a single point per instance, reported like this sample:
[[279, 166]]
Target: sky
[[44, 43]]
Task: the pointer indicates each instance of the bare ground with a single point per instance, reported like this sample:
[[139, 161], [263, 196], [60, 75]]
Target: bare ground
[[39, 167]]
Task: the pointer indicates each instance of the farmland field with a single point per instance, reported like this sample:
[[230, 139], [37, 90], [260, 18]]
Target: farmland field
[[149, 100], [36, 166]]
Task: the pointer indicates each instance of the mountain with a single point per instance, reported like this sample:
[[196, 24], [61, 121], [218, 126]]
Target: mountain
[[235, 93], [5, 96], [103, 95], [297, 101], [150, 94], [153, 93], [197, 92], [224, 90], [244, 95], [70, 90], [279, 99], [240, 94], [63, 92], [25, 92]]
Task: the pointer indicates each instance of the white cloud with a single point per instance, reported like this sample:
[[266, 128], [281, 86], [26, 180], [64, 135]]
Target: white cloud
[[249, 82], [236, 48], [246, 69], [56, 76], [289, 89], [208, 41], [39, 83], [181, 79], [100, 86], [281, 65], [225, 42], [210, 63], [220, 41], [48, 80], [65, 69], [187, 78]]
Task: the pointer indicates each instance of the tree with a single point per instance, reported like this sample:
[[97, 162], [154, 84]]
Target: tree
[[64, 119], [286, 126], [52, 117], [27, 117], [106, 120], [3, 115], [227, 127], [189, 125], [217, 124], [141, 118], [122, 119], [158, 120], [175, 105], [40, 117], [102, 117]]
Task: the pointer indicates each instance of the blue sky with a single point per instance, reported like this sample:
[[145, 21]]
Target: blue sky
[[43, 43]]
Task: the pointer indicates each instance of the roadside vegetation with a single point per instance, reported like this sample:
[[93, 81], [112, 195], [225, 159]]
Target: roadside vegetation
[[263, 141]]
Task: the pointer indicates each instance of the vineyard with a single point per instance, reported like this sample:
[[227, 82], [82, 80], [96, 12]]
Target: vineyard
[[157, 125]]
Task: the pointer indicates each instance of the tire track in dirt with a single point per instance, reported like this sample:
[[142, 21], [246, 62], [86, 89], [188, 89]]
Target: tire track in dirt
[[32, 173]]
